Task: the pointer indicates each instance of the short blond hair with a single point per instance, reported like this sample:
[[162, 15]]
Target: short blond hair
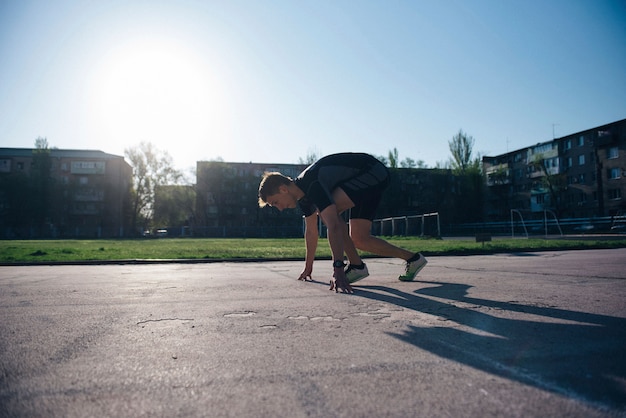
[[270, 183]]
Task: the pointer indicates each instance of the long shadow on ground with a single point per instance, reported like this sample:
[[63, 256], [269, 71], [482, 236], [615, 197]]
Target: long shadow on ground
[[576, 354]]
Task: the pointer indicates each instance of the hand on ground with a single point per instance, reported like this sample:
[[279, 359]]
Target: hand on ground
[[340, 282], [306, 275]]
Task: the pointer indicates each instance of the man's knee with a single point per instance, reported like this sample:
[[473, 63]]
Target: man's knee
[[360, 232], [360, 238]]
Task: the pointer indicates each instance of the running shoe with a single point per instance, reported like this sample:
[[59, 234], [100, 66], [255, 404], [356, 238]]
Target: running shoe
[[412, 268], [354, 274]]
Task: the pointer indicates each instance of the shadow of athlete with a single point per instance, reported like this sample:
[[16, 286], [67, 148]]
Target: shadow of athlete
[[583, 353]]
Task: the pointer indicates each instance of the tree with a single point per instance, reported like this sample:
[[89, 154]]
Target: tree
[[151, 168], [174, 205], [41, 144], [461, 146], [409, 162], [312, 155], [383, 160], [41, 184], [393, 158], [551, 181], [469, 171]]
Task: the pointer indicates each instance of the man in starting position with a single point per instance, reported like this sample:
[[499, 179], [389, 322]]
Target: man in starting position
[[327, 188]]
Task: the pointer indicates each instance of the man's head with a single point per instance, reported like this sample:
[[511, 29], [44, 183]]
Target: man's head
[[274, 189]]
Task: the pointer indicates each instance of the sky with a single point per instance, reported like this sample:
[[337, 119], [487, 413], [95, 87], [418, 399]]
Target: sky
[[273, 81]]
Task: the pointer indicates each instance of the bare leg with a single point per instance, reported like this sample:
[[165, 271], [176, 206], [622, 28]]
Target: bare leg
[[360, 231], [343, 203], [349, 248]]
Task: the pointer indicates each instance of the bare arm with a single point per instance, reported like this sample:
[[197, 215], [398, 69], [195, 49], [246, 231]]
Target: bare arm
[[311, 235]]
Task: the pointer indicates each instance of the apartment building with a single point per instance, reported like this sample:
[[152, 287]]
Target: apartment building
[[581, 175], [227, 202], [63, 193]]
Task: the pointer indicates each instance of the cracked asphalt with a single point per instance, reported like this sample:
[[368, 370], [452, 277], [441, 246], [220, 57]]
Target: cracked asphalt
[[515, 335]]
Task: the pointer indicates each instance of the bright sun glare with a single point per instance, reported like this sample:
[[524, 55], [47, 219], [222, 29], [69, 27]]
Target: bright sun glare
[[154, 91]]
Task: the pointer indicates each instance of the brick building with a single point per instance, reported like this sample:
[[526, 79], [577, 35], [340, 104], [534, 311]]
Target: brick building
[[63, 193], [581, 175], [227, 202]]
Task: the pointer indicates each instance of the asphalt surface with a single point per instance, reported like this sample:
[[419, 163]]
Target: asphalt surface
[[509, 335]]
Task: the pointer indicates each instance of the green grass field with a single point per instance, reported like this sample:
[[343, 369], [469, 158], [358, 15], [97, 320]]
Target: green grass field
[[46, 251]]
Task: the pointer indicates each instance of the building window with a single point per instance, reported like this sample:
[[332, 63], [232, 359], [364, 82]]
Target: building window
[[613, 152], [542, 149], [581, 159], [88, 167], [83, 180], [568, 144], [568, 162], [581, 178], [613, 173], [615, 194], [581, 140], [552, 165]]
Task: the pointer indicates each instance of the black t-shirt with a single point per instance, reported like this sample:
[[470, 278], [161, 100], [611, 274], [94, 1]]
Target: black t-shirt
[[337, 170]]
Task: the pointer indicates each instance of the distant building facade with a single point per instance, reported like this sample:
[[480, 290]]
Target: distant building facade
[[227, 202], [581, 175], [56, 193]]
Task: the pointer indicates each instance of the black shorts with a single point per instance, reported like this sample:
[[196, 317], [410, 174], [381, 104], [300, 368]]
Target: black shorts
[[366, 191]]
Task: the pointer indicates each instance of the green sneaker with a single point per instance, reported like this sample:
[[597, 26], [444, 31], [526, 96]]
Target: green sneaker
[[412, 268], [354, 274]]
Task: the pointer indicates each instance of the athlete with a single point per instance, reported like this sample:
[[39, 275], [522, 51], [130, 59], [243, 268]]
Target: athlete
[[327, 188]]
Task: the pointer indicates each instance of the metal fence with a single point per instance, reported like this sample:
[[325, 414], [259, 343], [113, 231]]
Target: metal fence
[[540, 226], [429, 224], [426, 224]]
